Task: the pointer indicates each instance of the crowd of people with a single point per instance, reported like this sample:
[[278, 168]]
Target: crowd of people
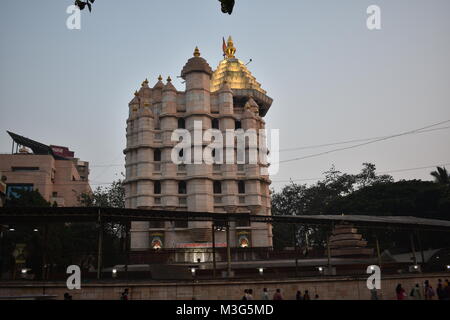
[[442, 291], [248, 295], [427, 292]]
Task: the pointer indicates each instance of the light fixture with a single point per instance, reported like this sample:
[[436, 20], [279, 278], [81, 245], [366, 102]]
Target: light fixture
[[24, 271], [193, 271], [35, 230], [320, 269], [12, 229], [261, 271], [114, 273], [448, 267]]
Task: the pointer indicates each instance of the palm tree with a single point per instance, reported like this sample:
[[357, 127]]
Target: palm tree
[[441, 175]]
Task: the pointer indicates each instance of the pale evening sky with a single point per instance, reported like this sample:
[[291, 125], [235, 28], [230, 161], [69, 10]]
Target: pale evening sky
[[330, 77]]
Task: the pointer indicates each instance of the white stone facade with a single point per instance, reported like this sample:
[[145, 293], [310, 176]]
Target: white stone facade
[[153, 181]]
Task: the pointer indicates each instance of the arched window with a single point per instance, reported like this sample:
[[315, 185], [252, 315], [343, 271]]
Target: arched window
[[157, 155], [181, 123], [237, 124], [217, 187], [241, 186], [182, 187], [215, 123], [157, 187]]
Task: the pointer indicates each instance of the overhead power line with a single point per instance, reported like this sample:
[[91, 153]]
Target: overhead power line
[[317, 145], [351, 141], [364, 144]]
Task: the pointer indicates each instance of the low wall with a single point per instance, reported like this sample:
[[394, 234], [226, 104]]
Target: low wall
[[330, 288]]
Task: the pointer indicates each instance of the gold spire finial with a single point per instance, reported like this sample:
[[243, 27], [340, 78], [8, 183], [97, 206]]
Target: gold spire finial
[[230, 50], [136, 93], [145, 82], [160, 78], [169, 79], [196, 52]]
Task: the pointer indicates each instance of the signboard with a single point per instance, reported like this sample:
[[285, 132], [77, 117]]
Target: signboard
[[243, 239], [157, 241], [19, 253], [12, 190], [62, 151]]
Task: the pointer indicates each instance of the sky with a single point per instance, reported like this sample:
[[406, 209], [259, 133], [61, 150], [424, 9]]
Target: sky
[[332, 79]]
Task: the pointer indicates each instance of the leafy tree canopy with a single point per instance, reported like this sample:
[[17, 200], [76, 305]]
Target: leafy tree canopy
[[111, 196], [365, 193]]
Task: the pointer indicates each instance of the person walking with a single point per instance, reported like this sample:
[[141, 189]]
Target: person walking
[[374, 294], [298, 296], [250, 294], [306, 295], [428, 291], [124, 295], [416, 293], [447, 290], [277, 295], [440, 291], [67, 296], [245, 296], [400, 292], [265, 294]]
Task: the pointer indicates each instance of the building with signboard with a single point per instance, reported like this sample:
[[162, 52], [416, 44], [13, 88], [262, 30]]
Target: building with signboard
[[53, 171], [228, 98]]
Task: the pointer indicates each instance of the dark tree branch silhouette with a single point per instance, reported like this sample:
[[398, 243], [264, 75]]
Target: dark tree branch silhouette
[[226, 5], [83, 4], [441, 175]]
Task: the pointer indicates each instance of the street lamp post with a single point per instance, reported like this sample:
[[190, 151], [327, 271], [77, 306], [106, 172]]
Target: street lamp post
[[214, 249]]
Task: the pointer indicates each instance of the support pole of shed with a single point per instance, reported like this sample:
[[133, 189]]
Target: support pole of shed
[[228, 249], [127, 247], [377, 242], [100, 245], [294, 235], [419, 242], [413, 248], [214, 249]]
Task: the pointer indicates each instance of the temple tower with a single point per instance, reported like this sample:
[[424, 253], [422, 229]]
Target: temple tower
[[228, 98]]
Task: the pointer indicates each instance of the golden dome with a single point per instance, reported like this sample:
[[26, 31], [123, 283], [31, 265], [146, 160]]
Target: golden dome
[[233, 71]]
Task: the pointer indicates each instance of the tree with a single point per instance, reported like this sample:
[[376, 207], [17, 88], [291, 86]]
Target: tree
[[319, 198], [112, 196], [27, 198], [368, 176], [441, 175]]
